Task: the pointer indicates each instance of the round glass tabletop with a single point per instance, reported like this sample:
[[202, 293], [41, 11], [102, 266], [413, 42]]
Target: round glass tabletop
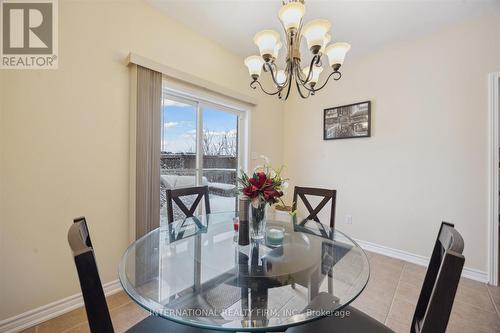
[[195, 273]]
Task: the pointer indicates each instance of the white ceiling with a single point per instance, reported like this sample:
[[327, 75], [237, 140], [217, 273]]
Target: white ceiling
[[366, 25]]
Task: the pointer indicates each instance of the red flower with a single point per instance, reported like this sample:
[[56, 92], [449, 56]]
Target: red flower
[[272, 194], [259, 181], [250, 191]]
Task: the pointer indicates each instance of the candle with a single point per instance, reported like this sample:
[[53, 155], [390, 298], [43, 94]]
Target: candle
[[236, 224], [275, 236]]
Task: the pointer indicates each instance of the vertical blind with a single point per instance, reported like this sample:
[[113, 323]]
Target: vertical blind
[[149, 94]]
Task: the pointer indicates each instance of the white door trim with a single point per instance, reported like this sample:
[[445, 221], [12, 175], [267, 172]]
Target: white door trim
[[493, 183]]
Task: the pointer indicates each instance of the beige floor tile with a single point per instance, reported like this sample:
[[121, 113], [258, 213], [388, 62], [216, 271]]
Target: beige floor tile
[[126, 316], [384, 273], [401, 311], [388, 275], [475, 293], [369, 254], [375, 301], [381, 293], [64, 322], [82, 328], [467, 316], [379, 261], [413, 274], [377, 297], [408, 291], [370, 308], [397, 326], [117, 299], [454, 327], [495, 295]]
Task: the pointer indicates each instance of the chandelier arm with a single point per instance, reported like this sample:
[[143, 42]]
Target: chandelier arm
[[298, 73], [332, 74], [281, 87], [253, 86], [270, 69], [326, 81], [289, 80], [300, 90], [287, 73], [315, 60]]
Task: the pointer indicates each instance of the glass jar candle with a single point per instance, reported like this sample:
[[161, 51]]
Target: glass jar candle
[[275, 235]]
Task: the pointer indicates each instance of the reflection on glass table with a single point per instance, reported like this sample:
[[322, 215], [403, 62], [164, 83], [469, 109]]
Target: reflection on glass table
[[194, 272]]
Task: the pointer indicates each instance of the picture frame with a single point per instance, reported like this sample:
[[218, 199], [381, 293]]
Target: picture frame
[[347, 121]]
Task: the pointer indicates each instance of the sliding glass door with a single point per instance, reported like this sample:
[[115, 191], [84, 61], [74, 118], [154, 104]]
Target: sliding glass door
[[200, 145], [220, 157]]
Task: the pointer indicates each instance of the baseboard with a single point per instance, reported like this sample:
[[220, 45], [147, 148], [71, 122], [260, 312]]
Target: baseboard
[[51, 310], [470, 273]]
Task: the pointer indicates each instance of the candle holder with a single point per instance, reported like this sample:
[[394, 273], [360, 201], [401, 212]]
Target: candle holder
[[275, 236]]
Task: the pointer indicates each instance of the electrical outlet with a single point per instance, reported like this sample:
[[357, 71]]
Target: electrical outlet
[[348, 219]]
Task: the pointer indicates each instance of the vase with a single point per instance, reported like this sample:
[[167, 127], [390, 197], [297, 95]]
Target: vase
[[258, 220]]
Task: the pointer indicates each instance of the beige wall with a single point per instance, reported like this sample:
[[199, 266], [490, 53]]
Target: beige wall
[[66, 135], [427, 158]]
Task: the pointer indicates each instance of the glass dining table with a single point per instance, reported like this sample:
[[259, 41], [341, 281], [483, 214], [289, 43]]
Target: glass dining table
[[194, 272]]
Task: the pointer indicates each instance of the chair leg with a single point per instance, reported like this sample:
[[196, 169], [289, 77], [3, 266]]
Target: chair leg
[[330, 283]]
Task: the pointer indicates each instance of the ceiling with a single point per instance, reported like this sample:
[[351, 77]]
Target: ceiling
[[366, 25]]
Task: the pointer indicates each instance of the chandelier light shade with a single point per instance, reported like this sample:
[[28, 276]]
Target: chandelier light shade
[[315, 34], [336, 53], [267, 41], [306, 78], [291, 15], [254, 64]]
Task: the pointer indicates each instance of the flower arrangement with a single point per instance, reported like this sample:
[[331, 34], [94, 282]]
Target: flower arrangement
[[266, 185]]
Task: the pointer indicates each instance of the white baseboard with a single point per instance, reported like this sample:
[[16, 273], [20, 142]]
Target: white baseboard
[[51, 310], [470, 273]]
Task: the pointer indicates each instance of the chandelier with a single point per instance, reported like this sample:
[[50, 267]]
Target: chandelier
[[306, 78]]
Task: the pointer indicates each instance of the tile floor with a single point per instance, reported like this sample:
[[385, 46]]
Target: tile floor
[[389, 297]]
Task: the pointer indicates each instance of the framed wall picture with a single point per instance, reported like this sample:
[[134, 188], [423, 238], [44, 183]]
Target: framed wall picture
[[347, 121]]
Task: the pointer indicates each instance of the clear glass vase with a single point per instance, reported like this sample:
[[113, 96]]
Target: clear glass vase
[[258, 214]]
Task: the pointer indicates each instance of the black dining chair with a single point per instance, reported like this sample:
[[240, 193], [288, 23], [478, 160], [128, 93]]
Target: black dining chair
[[327, 195], [434, 303], [96, 307], [174, 195]]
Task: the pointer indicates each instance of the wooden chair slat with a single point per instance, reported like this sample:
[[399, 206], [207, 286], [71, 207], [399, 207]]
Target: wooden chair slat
[[174, 195], [327, 194]]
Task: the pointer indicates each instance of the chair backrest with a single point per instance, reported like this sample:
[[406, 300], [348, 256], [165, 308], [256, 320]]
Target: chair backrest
[[441, 282], [301, 192], [90, 283], [174, 195]]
